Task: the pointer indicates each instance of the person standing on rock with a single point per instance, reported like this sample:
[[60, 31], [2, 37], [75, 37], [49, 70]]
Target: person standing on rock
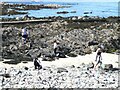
[[24, 35], [99, 51]]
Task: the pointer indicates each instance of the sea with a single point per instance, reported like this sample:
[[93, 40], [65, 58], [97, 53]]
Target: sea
[[101, 9]]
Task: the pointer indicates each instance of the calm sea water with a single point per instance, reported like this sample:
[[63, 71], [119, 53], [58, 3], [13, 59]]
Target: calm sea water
[[101, 9]]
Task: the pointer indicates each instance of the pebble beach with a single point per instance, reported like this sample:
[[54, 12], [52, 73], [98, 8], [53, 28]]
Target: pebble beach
[[62, 73]]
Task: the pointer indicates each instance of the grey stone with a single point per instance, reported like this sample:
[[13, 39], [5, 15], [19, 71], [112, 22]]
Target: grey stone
[[59, 70], [107, 66]]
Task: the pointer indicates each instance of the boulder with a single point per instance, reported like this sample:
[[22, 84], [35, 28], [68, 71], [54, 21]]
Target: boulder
[[26, 68], [12, 62], [8, 54], [87, 51], [61, 55], [107, 66], [34, 53], [71, 55], [93, 43], [48, 57], [59, 70]]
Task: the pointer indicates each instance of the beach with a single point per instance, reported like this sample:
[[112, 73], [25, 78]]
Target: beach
[[76, 61], [78, 38], [73, 68], [62, 73]]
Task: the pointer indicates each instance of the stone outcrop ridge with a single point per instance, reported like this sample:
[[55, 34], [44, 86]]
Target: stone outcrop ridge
[[76, 38]]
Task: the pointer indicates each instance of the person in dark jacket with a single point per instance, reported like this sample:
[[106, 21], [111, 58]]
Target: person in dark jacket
[[37, 64]]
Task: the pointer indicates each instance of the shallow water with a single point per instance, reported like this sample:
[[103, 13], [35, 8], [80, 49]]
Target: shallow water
[[101, 9]]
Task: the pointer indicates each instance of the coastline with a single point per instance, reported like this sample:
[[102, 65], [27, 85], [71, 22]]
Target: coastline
[[78, 36]]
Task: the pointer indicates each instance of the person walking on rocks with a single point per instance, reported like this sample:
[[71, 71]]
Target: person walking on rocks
[[99, 51], [24, 35]]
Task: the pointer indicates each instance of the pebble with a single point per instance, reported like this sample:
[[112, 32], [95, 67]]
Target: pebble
[[69, 77]]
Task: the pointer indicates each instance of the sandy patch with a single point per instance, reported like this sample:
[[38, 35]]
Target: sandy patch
[[107, 58]]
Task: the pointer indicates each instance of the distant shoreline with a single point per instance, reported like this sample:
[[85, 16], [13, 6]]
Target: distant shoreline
[[65, 9]]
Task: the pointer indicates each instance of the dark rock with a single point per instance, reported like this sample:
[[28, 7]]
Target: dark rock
[[63, 12], [108, 67], [12, 62], [71, 55], [24, 62], [72, 66], [59, 70], [61, 55], [7, 75], [93, 43], [73, 11], [7, 54], [19, 72], [26, 68], [114, 69], [34, 53], [87, 12]]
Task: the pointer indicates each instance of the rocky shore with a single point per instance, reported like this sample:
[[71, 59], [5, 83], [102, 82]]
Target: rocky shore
[[76, 35]]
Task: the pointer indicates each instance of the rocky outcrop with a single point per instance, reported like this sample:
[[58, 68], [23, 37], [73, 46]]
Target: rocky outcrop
[[73, 41]]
